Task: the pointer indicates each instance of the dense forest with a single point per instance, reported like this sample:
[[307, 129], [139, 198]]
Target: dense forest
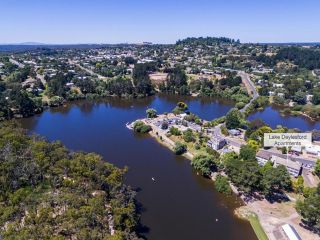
[[49, 192], [205, 41], [302, 57]]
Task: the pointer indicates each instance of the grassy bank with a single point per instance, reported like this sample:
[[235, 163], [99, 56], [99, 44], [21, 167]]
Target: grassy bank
[[254, 221]]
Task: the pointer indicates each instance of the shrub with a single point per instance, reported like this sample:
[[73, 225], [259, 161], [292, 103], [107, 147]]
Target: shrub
[[222, 185], [188, 136], [151, 113], [179, 148], [203, 163], [140, 127], [175, 131], [240, 105]]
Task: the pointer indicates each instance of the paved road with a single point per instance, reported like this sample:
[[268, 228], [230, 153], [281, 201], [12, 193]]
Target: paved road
[[92, 73], [305, 162], [20, 65], [250, 87]]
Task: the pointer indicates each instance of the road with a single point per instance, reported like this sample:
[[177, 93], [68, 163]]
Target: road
[[248, 84], [250, 88], [20, 65], [301, 160], [92, 73]]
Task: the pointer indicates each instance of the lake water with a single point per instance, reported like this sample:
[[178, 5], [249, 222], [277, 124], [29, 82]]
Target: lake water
[[272, 116], [179, 204]]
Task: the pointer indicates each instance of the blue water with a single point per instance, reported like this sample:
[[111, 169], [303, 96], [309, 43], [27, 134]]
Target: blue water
[[273, 117]]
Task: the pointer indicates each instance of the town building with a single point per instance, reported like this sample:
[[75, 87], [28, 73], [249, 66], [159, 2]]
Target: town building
[[294, 168], [263, 157], [217, 143], [313, 149]]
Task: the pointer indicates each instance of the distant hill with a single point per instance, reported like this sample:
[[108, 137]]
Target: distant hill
[[33, 46], [30, 43], [205, 40]]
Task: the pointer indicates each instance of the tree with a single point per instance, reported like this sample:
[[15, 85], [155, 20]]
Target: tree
[[179, 148], [317, 168], [309, 209], [248, 153], [233, 119], [129, 60], [39, 177], [140, 127], [248, 177], [120, 86], [275, 179], [298, 185], [177, 81], [316, 97], [188, 136], [151, 113], [141, 78], [267, 167], [175, 131], [180, 108], [22, 101], [300, 97], [203, 163], [222, 185]]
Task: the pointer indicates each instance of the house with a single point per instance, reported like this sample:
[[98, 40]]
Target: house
[[294, 168], [263, 157], [271, 93], [69, 84], [277, 85], [216, 143]]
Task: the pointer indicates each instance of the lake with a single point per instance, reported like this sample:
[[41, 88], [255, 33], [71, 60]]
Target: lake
[[179, 204], [272, 116]]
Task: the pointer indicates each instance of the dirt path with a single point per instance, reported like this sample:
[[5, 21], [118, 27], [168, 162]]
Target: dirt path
[[273, 216]]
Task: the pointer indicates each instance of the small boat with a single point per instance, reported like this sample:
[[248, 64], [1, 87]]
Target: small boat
[[153, 179]]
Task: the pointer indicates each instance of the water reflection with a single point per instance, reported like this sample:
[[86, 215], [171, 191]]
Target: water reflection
[[272, 116]]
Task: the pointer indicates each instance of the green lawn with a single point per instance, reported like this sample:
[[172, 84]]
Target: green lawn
[[254, 221]]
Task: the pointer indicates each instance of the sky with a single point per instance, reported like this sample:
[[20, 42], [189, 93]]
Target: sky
[[158, 21]]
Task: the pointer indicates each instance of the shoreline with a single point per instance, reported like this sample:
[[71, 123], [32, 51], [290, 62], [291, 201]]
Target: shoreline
[[259, 213], [168, 143]]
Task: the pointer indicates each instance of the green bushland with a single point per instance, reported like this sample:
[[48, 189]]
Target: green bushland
[[47, 190]]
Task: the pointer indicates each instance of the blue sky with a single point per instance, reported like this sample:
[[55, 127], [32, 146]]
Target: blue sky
[[165, 21]]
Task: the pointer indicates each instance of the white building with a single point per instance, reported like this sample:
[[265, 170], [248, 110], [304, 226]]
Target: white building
[[263, 157], [294, 168], [217, 143], [313, 149], [290, 232]]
